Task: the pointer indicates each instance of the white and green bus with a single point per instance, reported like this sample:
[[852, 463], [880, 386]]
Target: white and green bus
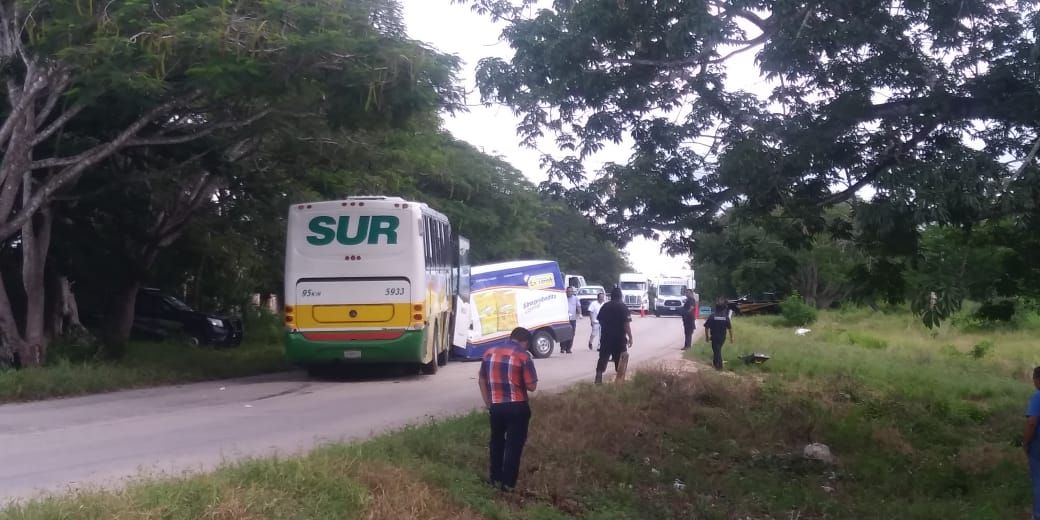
[[370, 280]]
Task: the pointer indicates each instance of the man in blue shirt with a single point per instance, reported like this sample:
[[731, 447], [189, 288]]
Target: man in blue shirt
[[1030, 444]]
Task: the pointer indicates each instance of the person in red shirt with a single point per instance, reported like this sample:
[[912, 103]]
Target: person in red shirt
[[507, 374]]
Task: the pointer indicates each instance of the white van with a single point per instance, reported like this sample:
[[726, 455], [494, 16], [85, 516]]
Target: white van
[[507, 295]]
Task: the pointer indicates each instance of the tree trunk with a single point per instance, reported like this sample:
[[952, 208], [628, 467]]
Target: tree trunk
[[62, 309], [10, 336], [120, 319], [36, 239], [28, 345]]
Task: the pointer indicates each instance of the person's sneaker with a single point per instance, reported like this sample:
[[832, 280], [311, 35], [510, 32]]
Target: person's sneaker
[[507, 489]]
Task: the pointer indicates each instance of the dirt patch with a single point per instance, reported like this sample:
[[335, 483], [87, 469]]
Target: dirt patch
[[233, 505], [985, 458], [678, 366], [582, 443], [891, 439], [394, 493]]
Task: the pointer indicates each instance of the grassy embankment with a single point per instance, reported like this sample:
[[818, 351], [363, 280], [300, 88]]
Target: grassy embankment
[[78, 371], [922, 425]]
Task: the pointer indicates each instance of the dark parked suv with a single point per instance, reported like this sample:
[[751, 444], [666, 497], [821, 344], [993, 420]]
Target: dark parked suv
[[160, 316]]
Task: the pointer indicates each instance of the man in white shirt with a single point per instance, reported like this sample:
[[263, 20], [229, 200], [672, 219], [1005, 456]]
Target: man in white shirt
[[593, 313]]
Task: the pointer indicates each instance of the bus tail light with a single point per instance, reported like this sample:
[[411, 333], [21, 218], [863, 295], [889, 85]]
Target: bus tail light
[[290, 316], [418, 318]]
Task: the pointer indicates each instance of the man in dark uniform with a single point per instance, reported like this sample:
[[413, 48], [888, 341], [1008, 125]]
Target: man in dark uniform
[[688, 324], [715, 329], [615, 320]]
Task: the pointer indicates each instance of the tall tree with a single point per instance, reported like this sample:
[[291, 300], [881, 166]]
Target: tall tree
[[755, 254], [233, 248], [935, 105], [86, 82]]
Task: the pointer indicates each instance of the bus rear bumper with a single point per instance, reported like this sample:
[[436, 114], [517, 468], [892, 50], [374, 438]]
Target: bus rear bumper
[[325, 348]]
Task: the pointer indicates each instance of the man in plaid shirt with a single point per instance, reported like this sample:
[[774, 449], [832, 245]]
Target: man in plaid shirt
[[506, 376]]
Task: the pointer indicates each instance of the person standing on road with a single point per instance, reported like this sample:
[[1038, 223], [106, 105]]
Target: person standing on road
[[688, 323], [1030, 443], [615, 322], [506, 375], [594, 308], [715, 328], [573, 311]]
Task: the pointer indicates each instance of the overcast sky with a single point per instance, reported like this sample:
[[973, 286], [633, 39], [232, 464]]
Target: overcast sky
[[456, 30]]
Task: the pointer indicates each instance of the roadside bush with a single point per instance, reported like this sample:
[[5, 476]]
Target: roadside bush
[[997, 311], [76, 346], [261, 326], [796, 312], [998, 315], [982, 348]]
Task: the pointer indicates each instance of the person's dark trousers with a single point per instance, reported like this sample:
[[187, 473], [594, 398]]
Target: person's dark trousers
[[716, 352], [566, 346], [509, 423], [1034, 476], [606, 355], [687, 325]]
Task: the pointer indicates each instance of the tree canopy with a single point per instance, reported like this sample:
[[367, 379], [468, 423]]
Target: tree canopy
[[933, 105], [161, 101]]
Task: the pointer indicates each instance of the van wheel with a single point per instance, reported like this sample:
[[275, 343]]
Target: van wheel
[[442, 355], [542, 344]]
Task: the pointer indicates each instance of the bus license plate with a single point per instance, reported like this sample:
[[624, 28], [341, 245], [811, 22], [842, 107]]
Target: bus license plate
[[352, 354]]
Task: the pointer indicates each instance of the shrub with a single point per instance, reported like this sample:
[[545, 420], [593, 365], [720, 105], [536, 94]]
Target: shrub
[[996, 311], [980, 349], [262, 326], [796, 312]]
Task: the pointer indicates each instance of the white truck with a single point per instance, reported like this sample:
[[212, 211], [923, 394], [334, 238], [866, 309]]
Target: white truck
[[634, 287], [671, 290], [576, 281]]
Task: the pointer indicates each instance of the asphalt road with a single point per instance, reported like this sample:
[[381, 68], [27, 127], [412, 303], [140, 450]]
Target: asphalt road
[[101, 440]]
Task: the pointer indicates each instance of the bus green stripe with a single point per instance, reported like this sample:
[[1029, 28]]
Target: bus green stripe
[[409, 348]]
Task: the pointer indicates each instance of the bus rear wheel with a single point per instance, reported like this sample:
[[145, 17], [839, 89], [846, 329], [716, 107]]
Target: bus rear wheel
[[430, 368], [442, 354]]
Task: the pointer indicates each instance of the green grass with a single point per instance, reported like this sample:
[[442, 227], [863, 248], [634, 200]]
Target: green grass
[[920, 427], [926, 420], [145, 364], [71, 372]]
